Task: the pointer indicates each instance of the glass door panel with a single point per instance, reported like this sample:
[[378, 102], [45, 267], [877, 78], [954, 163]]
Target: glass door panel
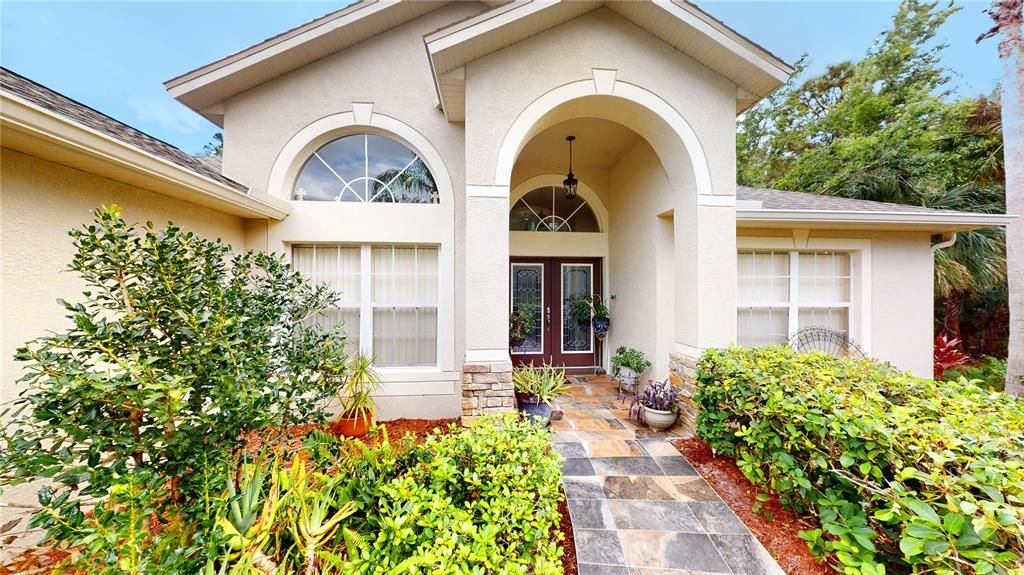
[[528, 297], [577, 283]]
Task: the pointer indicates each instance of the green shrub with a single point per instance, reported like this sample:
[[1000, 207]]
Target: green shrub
[[178, 348], [901, 471], [989, 371], [479, 500]]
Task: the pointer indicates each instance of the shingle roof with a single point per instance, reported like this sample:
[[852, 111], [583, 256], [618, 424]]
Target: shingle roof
[[84, 115], [783, 200]]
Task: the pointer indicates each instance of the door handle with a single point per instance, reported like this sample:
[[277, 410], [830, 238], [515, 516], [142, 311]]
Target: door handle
[[549, 316]]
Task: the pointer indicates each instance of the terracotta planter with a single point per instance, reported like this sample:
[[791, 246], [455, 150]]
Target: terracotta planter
[[657, 419], [352, 426]]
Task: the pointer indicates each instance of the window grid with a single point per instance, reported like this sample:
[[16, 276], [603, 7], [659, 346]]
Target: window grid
[[756, 310], [423, 301]]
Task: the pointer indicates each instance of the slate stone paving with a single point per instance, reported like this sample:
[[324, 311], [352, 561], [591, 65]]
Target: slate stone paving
[[637, 506]]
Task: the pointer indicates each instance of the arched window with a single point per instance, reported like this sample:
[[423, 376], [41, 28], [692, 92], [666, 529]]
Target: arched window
[[366, 168], [548, 210]]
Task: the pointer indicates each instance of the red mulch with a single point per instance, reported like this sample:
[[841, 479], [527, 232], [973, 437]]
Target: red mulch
[[35, 561], [778, 534], [568, 543], [420, 428]]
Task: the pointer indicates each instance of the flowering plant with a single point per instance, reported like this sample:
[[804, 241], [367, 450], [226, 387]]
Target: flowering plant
[[659, 395]]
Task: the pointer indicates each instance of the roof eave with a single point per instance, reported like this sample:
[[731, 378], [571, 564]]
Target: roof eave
[[915, 221], [72, 143]]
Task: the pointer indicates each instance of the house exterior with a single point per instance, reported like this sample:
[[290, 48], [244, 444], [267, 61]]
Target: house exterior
[[412, 154]]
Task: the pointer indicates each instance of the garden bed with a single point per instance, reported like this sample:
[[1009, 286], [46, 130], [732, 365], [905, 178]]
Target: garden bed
[[483, 467], [774, 526]]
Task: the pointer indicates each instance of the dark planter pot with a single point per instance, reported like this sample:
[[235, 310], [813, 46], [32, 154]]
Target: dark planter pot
[[513, 342], [532, 407], [601, 325]]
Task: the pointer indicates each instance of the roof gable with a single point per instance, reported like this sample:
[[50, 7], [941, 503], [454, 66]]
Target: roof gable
[[680, 24]]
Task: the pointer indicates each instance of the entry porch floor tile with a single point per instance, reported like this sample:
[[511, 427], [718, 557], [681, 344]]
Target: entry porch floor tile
[[637, 505]]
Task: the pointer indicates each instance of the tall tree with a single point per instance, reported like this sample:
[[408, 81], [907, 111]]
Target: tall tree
[[886, 128], [1009, 22]]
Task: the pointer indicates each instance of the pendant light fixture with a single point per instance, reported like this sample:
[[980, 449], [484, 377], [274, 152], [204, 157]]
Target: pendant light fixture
[[570, 182]]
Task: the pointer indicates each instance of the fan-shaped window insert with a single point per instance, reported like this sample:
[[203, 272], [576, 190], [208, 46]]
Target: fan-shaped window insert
[[366, 168], [548, 210]]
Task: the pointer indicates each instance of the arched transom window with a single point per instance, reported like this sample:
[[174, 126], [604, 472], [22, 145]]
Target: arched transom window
[[548, 210], [366, 168]]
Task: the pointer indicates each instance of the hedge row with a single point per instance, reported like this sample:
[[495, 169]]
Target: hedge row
[[911, 473]]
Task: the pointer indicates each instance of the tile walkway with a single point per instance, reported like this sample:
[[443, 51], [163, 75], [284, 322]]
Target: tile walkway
[[637, 506]]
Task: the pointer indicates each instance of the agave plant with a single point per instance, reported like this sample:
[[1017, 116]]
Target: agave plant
[[249, 522]]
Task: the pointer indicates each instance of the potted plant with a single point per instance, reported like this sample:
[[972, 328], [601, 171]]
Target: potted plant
[[536, 388], [520, 326], [593, 309], [628, 364], [356, 397], [656, 405]]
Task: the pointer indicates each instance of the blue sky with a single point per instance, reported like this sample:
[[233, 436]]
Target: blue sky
[[115, 56]]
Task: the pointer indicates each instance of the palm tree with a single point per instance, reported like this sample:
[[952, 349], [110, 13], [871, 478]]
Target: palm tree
[[414, 183], [1009, 21]]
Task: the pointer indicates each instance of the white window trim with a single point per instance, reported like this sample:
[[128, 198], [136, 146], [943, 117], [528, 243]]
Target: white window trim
[[860, 276], [424, 379], [352, 223]]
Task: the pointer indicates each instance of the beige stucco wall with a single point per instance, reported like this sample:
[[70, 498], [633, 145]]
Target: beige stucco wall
[[390, 71], [641, 257], [39, 202], [901, 279]]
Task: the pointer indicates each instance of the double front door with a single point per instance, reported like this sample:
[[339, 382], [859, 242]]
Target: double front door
[[547, 289]]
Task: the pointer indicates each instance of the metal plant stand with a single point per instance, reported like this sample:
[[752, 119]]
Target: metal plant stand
[[826, 340]]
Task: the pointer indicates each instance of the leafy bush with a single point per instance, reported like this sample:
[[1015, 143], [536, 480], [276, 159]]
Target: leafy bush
[[479, 500], [632, 359], [901, 471], [179, 347], [990, 371]]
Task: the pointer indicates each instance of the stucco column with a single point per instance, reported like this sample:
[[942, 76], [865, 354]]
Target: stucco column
[[487, 372], [705, 264], [705, 287]]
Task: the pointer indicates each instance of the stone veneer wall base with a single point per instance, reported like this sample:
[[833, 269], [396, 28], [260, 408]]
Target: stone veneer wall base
[[683, 374], [486, 388]]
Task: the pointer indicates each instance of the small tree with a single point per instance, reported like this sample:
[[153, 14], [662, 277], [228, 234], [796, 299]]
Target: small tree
[[178, 349]]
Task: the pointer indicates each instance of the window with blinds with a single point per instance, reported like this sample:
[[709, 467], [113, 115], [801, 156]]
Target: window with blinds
[[779, 292], [388, 297]]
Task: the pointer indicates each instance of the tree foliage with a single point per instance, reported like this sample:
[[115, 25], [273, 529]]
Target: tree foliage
[[887, 128], [179, 347]]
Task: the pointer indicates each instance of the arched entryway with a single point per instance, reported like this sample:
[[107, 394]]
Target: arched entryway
[[670, 259]]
